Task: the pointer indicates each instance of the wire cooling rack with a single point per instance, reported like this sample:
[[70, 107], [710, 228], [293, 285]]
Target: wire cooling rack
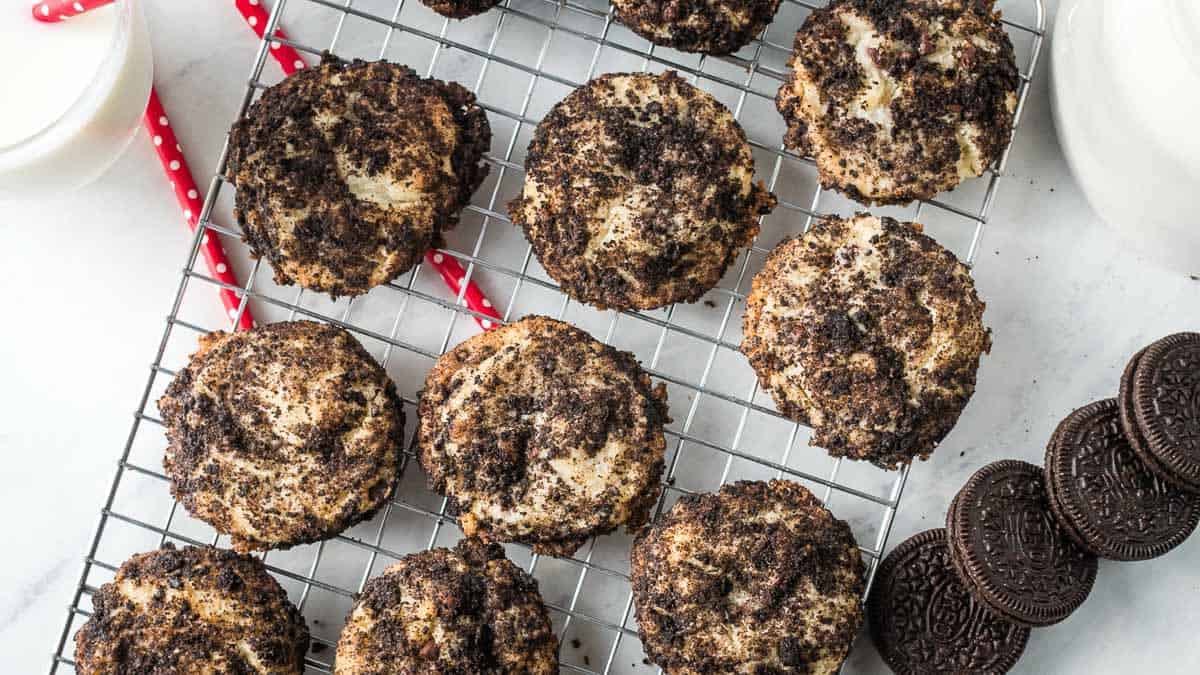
[[521, 58]]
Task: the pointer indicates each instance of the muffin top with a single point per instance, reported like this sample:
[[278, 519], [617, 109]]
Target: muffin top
[[540, 434], [899, 100], [460, 9], [639, 192], [756, 578], [348, 172], [704, 26], [466, 610], [281, 435], [192, 610], [870, 332]]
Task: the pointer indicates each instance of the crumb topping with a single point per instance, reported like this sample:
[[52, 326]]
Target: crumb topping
[[192, 610], [757, 578], [466, 610], [348, 172], [704, 26], [639, 192], [538, 433], [281, 435], [870, 332], [899, 100]]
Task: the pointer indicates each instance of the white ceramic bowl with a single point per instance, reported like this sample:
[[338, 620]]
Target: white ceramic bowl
[[1125, 86]]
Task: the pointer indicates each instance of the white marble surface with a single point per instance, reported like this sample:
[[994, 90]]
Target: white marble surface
[[90, 277]]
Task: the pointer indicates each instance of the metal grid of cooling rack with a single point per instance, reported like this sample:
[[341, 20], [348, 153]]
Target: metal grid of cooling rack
[[725, 428]]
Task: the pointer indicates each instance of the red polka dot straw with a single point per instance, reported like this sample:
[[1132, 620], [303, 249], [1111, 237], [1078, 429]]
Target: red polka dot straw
[[187, 194], [53, 11], [256, 17], [451, 272], [175, 166], [158, 125]]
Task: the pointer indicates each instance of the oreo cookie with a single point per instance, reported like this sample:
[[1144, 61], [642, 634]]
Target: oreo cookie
[[923, 619], [1010, 550], [1133, 434], [1104, 495], [1160, 408]]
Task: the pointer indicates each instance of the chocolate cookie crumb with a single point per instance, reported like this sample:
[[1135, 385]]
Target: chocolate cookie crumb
[[639, 192], [900, 100], [348, 172], [870, 332], [540, 434]]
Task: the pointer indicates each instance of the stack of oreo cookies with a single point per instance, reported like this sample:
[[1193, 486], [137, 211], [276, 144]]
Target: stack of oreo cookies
[[1021, 544], [1160, 408]]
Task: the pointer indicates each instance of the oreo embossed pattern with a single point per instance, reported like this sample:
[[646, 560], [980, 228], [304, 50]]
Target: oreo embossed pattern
[[1163, 394], [1105, 497], [1121, 481], [924, 620], [1011, 551]]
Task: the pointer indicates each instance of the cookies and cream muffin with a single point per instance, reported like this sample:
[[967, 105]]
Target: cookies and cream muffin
[[540, 434], [348, 172], [461, 610], [639, 192], [756, 578], [705, 26], [192, 610], [870, 332], [281, 435], [900, 100]]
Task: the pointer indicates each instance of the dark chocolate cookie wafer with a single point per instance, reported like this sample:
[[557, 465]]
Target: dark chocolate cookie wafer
[[1055, 508], [1164, 397], [924, 620], [1105, 496], [1011, 551], [1134, 435]]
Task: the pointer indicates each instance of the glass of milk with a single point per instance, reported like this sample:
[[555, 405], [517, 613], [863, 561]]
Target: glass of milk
[[74, 94]]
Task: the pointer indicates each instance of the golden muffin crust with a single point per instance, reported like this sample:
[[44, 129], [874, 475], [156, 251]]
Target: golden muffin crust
[[756, 578], [899, 100], [348, 172], [194, 610], [870, 332], [639, 192], [466, 610], [540, 434], [282, 435]]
